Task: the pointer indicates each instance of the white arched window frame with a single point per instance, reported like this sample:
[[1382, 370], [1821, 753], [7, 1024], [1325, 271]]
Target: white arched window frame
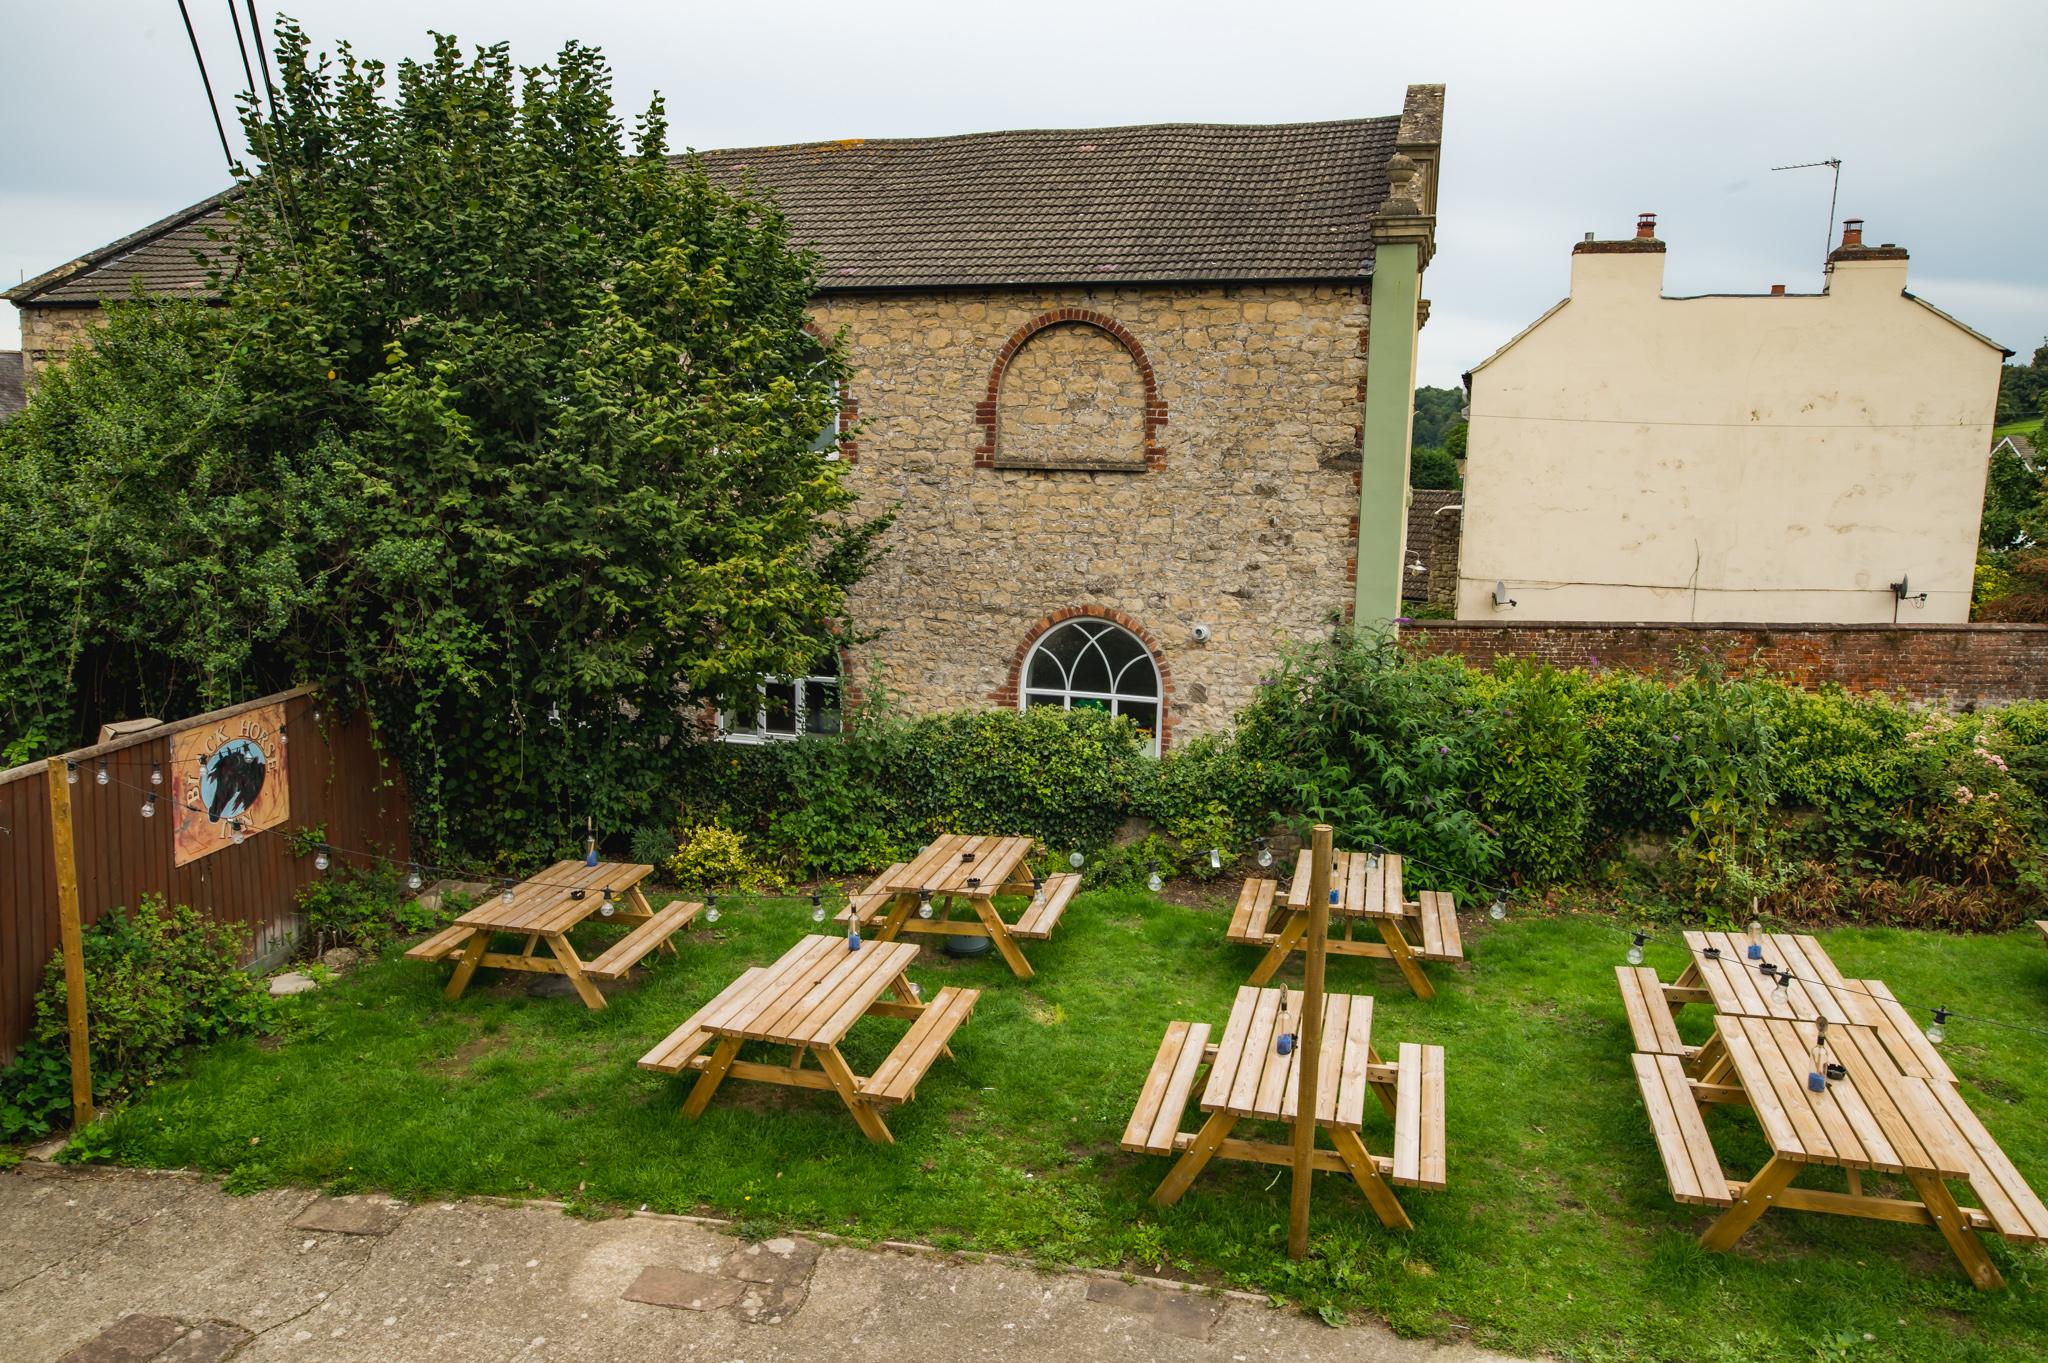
[[1092, 664]]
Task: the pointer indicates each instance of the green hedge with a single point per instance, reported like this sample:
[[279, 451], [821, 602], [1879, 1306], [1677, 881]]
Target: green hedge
[[1710, 788]]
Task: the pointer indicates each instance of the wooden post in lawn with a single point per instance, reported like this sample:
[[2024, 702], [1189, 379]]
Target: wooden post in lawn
[[74, 950], [1308, 1048]]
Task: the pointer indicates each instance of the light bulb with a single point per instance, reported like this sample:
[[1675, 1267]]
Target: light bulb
[[924, 903], [1372, 858], [1037, 890], [711, 909], [1781, 992], [1265, 854], [1635, 950], [1215, 859], [316, 714], [554, 713], [70, 773], [235, 833], [1154, 883], [1937, 1030], [156, 774], [607, 908], [149, 807], [99, 775], [1077, 861], [1498, 909], [320, 860], [917, 991], [817, 909], [412, 876]]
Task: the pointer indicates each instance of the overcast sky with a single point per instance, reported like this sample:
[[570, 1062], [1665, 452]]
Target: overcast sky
[[1560, 119]]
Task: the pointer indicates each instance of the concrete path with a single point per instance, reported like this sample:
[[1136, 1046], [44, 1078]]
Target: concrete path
[[117, 1266]]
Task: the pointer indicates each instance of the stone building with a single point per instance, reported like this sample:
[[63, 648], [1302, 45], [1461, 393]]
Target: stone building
[[1117, 385], [1777, 457]]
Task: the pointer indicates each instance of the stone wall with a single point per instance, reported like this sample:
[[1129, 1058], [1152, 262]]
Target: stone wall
[[1072, 397], [1242, 521], [1972, 665], [47, 333]]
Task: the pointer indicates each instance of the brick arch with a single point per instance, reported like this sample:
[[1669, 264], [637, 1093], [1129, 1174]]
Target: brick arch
[[1011, 693], [1155, 406]]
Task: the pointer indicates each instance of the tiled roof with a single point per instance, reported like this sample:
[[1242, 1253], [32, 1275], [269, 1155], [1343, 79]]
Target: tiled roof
[[1424, 525], [160, 255], [12, 395], [1169, 201]]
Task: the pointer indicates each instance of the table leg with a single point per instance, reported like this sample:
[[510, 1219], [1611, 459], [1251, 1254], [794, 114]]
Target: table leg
[[1756, 1199], [843, 1079], [899, 914], [1948, 1219], [1710, 1064], [709, 1078], [1283, 946], [1367, 1175], [999, 933], [566, 958], [1404, 957], [1192, 1161], [1388, 1093], [645, 910], [472, 952]]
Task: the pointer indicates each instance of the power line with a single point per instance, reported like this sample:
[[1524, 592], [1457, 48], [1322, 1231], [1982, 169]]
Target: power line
[[212, 105], [262, 60], [248, 72]]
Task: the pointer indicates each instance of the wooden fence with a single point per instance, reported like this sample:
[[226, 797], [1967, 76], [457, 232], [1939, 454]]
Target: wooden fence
[[338, 779]]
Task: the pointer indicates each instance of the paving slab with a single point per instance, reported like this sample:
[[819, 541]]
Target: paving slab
[[134, 1338], [351, 1215], [1175, 1312], [458, 1282], [661, 1285]]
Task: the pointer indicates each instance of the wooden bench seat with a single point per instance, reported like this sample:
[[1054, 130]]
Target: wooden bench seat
[[1249, 922], [1155, 1122], [1689, 1159], [443, 944], [2012, 1207], [673, 1053], [1649, 1017], [871, 903], [2042, 923], [1438, 914], [895, 1079], [1039, 920], [627, 952], [1419, 1117]]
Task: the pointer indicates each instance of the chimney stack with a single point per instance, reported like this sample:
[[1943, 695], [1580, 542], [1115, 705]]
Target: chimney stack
[[1852, 232], [1777, 290], [1646, 226]]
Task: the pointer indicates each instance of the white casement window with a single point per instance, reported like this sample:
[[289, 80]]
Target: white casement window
[[827, 442], [1089, 664], [790, 708]]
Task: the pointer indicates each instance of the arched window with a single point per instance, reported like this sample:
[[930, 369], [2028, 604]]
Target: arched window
[[1090, 664]]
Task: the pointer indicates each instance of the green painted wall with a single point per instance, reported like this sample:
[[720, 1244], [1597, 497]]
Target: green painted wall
[[1389, 417]]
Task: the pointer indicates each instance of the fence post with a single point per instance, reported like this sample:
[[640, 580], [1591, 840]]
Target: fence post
[[74, 951]]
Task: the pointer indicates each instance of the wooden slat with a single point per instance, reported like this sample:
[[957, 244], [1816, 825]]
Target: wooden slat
[[441, 945], [1441, 940], [895, 1079], [1230, 1049], [1336, 1020], [1153, 1094], [629, 950], [1258, 1053], [1649, 1017], [1397, 896], [826, 1030], [1248, 924], [1035, 925], [1419, 1117], [2012, 1205], [1690, 1164], [1353, 1079], [1277, 1077], [1297, 887], [1908, 1045], [1762, 1083]]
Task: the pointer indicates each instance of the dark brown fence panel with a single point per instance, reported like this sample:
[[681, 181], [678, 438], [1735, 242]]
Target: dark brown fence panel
[[339, 780]]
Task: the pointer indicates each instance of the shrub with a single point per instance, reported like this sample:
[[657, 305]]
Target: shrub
[[155, 982], [361, 907], [711, 855], [1532, 785]]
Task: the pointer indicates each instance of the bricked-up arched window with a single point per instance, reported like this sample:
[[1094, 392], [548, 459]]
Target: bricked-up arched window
[[1091, 664]]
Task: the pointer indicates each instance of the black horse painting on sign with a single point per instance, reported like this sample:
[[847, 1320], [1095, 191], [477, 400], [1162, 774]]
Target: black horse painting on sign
[[232, 779]]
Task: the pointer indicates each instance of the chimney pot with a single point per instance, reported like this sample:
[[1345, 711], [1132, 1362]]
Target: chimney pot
[[1852, 231], [1646, 225], [1777, 290]]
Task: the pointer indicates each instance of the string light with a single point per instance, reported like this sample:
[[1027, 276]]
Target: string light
[[70, 773], [1635, 948], [817, 908], [320, 859], [1077, 860], [711, 908], [924, 903], [100, 776], [1265, 856], [1152, 880], [1937, 1030], [608, 907], [149, 806], [1215, 858], [412, 876], [1498, 909], [156, 773], [509, 887], [236, 835]]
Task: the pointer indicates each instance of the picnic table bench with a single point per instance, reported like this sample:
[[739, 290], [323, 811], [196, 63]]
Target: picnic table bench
[[1249, 1078], [1368, 890], [546, 908], [919, 895], [808, 1000], [1896, 1110]]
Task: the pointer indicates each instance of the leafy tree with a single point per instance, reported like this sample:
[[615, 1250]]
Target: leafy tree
[[2012, 491], [1433, 468], [1454, 441], [2023, 388], [1435, 411], [505, 423]]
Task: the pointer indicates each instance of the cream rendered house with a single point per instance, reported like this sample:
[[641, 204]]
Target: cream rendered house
[[1817, 458]]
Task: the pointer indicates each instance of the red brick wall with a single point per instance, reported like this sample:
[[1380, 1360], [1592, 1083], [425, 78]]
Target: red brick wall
[[1977, 664]]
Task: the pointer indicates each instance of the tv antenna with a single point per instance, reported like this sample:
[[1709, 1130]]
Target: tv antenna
[[1833, 163]]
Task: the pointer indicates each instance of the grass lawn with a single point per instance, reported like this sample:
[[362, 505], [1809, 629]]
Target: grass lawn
[[1557, 1231], [2030, 428]]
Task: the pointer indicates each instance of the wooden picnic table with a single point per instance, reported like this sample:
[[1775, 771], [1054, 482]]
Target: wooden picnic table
[[546, 908], [1368, 891], [972, 870], [1249, 1078], [1896, 1111], [808, 1000]]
